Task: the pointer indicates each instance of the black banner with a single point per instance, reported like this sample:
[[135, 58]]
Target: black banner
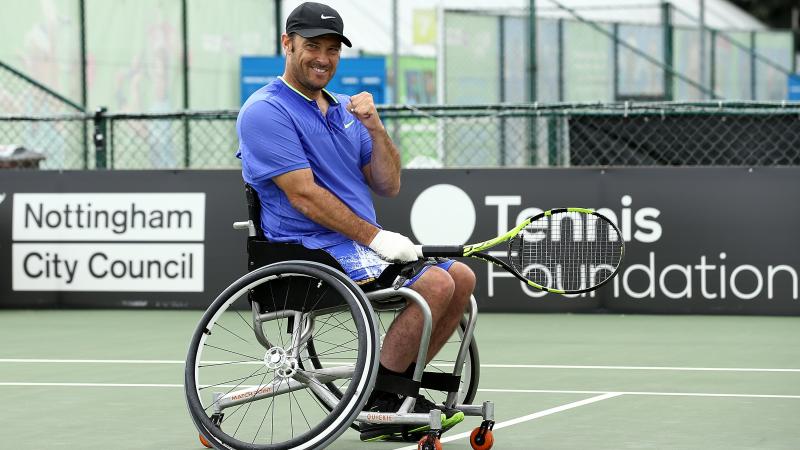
[[681, 140], [699, 240]]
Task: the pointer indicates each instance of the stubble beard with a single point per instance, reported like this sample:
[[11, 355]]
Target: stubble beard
[[306, 81]]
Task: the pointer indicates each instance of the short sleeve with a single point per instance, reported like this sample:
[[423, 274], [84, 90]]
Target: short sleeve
[[366, 145], [268, 143]]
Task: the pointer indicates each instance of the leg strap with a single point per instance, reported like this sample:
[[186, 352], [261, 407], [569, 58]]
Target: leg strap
[[444, 382], [438, 381], [397, 385]]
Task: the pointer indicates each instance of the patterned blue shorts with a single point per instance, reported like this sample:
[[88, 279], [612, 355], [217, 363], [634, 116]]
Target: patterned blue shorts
[[362, 264]]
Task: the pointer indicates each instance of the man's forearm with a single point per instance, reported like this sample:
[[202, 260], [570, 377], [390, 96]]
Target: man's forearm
[[385, 163], [324, 208]]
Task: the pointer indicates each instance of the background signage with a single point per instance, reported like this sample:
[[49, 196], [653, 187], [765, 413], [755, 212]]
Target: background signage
[[699, 240]]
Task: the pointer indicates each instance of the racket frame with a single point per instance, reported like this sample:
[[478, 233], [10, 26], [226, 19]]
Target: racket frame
[[477, 250]]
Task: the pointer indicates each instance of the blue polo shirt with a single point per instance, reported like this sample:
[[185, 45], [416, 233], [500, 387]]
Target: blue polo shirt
[[281, 130]]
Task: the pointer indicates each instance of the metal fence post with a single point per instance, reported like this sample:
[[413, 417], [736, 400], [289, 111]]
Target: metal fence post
[[713, 68], [666, 19], [100, 137], [278, 12], [560, 40], [84, 89], [795, 36], [501, 63], [187, 154], [752, 65], [533, 75], [187, 144], [552, 141], [532, 78], [615, 61]]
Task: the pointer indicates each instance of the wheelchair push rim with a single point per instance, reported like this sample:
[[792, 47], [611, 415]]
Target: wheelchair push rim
[[255, 384]]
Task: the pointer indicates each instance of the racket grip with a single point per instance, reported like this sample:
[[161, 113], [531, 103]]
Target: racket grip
[[424, 251]]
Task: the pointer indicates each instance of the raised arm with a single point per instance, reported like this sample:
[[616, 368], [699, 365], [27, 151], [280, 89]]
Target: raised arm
[[383, 171], [270, 148]]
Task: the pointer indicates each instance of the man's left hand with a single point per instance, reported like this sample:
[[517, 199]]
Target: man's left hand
[[362, 106]]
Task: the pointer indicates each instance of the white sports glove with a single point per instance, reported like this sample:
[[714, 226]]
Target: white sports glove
[[393, 247]]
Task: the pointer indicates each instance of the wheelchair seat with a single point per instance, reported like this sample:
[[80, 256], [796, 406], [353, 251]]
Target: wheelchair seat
[[262, 252]]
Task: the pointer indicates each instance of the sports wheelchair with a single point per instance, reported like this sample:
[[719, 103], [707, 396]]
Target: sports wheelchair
[[287, 356]]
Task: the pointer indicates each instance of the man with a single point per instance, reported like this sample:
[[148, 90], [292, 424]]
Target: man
[[313, 157]]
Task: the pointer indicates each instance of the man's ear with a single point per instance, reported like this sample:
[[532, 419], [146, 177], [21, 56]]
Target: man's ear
[[287, 41]]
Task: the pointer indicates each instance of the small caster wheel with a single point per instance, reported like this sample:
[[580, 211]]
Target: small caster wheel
[[430, 442], [216, 418], [205, 442], [482, 437]]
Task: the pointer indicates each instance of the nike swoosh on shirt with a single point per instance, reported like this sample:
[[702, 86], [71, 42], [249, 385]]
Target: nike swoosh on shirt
[[347, 125], [323, 16]]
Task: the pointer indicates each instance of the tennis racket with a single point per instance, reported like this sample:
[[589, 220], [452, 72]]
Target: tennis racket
[[563, 250]]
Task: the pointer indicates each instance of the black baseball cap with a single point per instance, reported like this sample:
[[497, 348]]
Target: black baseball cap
[[315, 19]]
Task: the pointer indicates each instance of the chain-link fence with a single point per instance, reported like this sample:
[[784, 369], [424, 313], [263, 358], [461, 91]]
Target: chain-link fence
[[626, 134], [556, 135], [39, 120], [196, 140], [672, 57]]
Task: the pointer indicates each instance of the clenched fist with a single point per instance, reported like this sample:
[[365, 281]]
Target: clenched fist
[[362, 106]]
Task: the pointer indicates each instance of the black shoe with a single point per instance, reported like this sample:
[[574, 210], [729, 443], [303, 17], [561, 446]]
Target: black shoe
[[390, 403], [450, 418], [381, 402]]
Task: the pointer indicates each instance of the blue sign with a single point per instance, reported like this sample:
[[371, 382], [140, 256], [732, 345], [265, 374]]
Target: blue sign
[[353, 75], [794, 87]]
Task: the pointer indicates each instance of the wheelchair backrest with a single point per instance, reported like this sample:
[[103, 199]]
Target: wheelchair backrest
[[254, 209], [262, 252]]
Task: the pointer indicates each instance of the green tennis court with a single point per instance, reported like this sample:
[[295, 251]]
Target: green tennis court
[[113, 379]]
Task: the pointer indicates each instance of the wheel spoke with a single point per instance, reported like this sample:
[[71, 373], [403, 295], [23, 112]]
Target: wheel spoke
[[263, 393]]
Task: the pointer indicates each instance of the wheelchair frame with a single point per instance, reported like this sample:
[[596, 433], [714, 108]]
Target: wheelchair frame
[[287, 362]]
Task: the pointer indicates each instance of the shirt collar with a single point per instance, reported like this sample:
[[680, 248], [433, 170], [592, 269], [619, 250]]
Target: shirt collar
[[331, 97]]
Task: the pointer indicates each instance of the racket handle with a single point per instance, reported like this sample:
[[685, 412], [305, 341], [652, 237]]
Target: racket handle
[[424, 251]]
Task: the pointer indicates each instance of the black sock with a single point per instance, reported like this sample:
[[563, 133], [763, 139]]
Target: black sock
[[382, 370], [379, 394]]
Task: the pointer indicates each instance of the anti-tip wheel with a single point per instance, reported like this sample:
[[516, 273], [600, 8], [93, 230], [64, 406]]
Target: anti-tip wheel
[[205, 442], [429, 442], [481, 439]]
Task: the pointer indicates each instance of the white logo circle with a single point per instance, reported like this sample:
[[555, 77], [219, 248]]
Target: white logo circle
[[443, 214]]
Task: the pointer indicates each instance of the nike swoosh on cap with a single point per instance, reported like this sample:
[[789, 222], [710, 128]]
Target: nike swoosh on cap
[[323, 16]]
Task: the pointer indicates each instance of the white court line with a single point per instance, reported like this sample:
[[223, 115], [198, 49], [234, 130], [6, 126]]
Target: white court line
[[488, 366], [137, 385], [93, 361], [119, 361], [704, 369], [94, 385], [502, 391], [675, 394], [529, 417]]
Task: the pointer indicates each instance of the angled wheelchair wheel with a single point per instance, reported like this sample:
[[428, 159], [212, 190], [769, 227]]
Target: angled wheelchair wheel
[[249, 382]]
